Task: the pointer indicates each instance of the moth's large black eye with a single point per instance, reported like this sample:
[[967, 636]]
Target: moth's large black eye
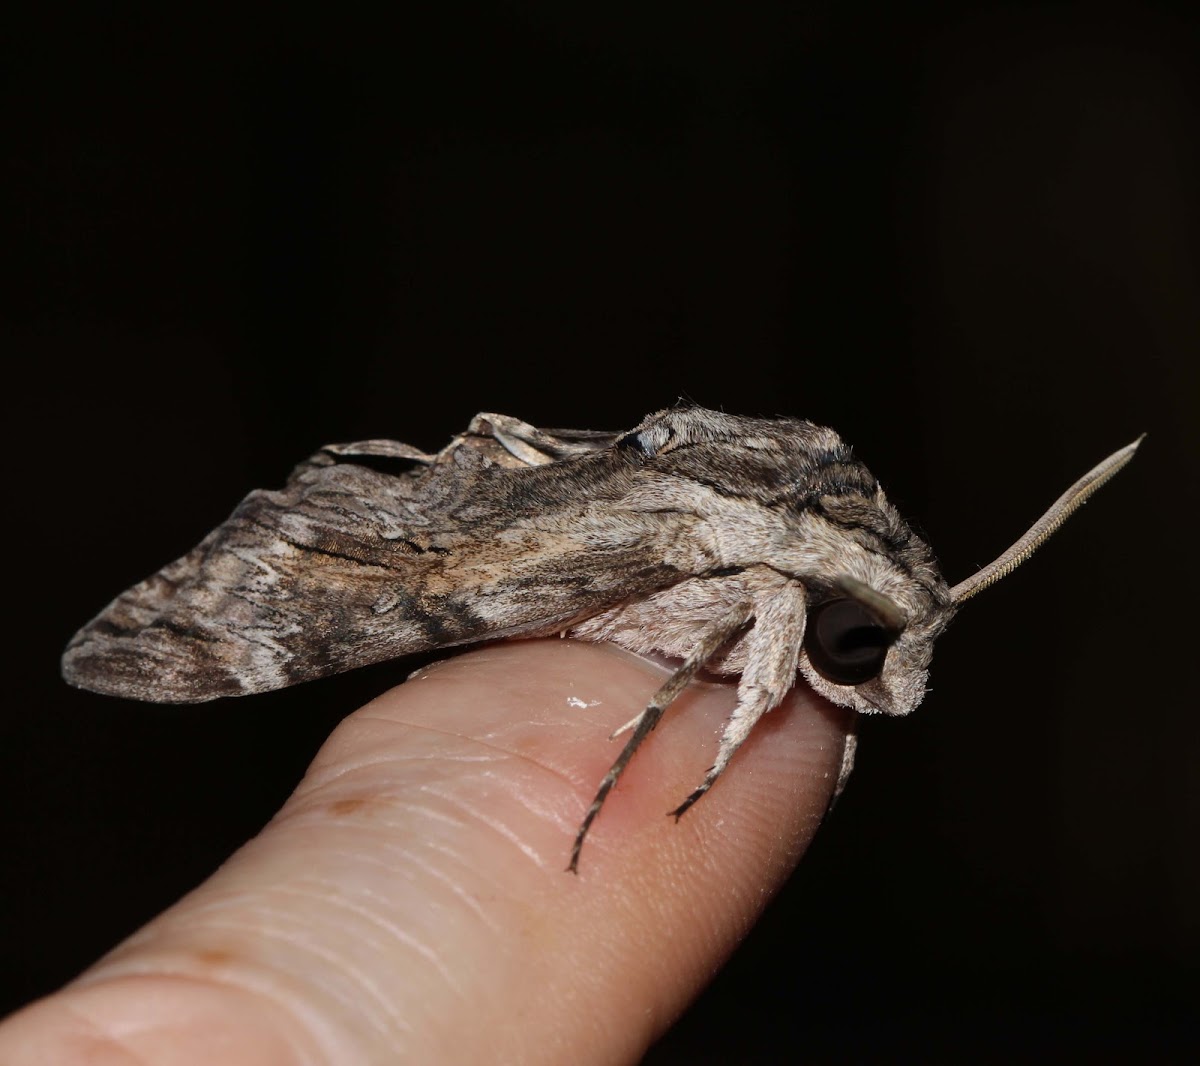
[[845, 644]]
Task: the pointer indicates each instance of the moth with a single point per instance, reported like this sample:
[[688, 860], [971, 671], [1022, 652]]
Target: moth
[[744, 546]]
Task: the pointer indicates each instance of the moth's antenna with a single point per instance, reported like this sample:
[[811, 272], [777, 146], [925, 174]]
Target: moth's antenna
[[1062, 509]]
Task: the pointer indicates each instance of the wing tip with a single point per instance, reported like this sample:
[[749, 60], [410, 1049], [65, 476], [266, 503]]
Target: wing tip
[[133, 668]]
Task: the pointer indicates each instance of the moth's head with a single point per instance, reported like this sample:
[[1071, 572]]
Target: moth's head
[[874, 613], [868, 642]]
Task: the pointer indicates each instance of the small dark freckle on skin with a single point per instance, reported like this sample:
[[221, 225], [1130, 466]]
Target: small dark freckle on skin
[[214, 957], [340, 808]]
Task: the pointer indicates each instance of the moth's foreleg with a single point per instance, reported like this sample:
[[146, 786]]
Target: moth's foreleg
[[708, 645], [847, 767], [773, 649]]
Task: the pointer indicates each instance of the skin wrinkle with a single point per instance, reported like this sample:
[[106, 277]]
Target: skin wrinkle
[[424, 813], [106, 1035], [499, 829], [103, 1037], [337, 901], [414, 858], [223, 983], [315, 796], [387, 847], [550, 812], [459, 892], [314, 800], [317, 781], [492, 885], [332, 963], [488, 758], [466, 863], [420, 727]]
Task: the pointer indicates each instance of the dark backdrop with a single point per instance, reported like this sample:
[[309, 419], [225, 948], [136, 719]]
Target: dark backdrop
[[965, 236]]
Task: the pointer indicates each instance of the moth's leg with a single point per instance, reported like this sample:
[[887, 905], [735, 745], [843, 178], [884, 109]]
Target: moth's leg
[[847, 767], [708, 645], [531, 445], [772, 652]]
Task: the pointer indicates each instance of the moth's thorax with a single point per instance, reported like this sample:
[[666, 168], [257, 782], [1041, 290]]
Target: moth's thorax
[[791, 497]]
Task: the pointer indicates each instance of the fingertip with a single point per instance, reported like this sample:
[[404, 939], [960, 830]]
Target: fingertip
[[413, 892]]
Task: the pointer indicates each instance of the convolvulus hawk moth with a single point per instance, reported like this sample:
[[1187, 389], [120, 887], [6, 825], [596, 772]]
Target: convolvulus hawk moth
[[757, 547]]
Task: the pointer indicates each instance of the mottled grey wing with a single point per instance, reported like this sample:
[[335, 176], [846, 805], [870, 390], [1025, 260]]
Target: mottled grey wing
[[372, 551]]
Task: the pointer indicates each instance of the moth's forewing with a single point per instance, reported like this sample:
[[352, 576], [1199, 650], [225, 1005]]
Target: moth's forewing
[[352, 563]]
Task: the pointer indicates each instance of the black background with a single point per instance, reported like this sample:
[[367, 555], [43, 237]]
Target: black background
[[965, 236]]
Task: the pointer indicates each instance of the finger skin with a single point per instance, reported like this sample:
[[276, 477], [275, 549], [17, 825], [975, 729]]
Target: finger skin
[[410, 901]]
